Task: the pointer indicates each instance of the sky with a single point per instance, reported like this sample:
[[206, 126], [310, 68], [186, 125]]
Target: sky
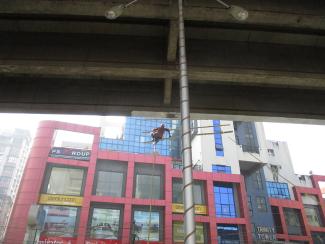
[[305, 142]]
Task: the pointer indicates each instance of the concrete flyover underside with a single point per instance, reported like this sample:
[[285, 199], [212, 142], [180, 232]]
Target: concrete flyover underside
[[65, 57]]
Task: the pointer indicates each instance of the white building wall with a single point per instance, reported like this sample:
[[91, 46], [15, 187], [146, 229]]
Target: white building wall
[[197, 151], [282, 160], [17, 159], [204, 153], [203, 147]]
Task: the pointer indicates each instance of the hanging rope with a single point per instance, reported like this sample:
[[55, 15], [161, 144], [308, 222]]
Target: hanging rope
[[151, 189]]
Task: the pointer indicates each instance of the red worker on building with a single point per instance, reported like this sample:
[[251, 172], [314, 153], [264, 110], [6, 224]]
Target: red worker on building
[[158, 133]]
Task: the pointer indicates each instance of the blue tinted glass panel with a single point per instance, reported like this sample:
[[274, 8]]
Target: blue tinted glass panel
[[224, 201], [221, 169], [278, 190], [218, 138], [136, 138]]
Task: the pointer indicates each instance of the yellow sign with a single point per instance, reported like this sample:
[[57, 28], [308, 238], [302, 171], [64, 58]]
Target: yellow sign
[[61, 200], [199, 209]]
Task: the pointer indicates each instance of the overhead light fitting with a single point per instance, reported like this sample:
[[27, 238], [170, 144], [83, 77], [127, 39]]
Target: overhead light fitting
[[235, 11], [116, 11]]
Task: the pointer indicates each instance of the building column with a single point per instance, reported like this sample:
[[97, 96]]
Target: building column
[[127, 213], [168, 232], [211, 210], [127, 224], [31, 182], [84, 212], [283, 223], [243, 206]]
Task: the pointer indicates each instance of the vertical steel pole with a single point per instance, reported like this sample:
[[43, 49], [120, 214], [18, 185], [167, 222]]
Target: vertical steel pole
[[189, 221]]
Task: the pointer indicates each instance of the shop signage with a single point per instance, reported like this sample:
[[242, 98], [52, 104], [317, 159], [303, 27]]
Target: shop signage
[[265, 233], [56, 240], [102, 241], [179, 208], [70, 153], [60, 200]]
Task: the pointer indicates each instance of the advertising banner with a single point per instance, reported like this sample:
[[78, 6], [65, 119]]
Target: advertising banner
[[102, 241], [57, 240], [70, 153]]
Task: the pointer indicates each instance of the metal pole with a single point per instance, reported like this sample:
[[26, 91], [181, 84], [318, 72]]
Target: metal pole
[[189, 221]]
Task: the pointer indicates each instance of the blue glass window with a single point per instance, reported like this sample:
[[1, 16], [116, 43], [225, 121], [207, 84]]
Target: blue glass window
[[277, 190], [228, 234], [221, 169], [136, 138], [218, 138], [224, 200]]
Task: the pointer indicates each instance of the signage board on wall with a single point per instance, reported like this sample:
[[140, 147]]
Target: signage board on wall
[[61, 200], [57, 240], [70, 153], [265, 233], [102, 241], [179, 208]]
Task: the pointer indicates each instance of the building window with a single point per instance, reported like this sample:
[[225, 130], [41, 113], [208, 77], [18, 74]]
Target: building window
[[258, 179], [110, 178], [218, 138], [147, 225], [59, 221], [134, 139], [149, 181], [228, 234], [275, 172], [64, 181], [293, 221], [12, 159], [278, 190], [105, 223], [271, 152], [224, 200], [261, 204], [194, 128], [250, 207], [5, 181], [221, 169], [313, 215], [2, 149], [318, 237], [8, 170], [245, 133], [178, 233], [198, 192], [277, 220]]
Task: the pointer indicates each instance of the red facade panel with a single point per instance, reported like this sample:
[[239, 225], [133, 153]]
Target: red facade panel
[[298, 204], [30, 189]]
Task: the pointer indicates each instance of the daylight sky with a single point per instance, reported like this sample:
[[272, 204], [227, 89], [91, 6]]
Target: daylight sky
[[306, 142], [306, 145]]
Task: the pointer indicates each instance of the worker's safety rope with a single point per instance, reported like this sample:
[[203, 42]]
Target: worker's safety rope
[[151, 190]]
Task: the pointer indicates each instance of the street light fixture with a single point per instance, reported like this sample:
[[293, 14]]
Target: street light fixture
[[235, 11], [239, 14], [116, 11]]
